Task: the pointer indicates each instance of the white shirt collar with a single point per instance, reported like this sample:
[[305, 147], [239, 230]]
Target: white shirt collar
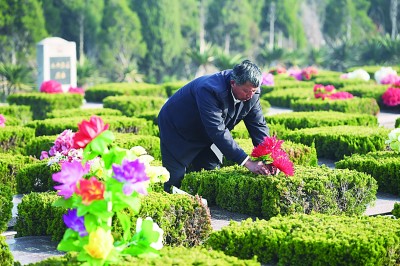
[[235, 101]]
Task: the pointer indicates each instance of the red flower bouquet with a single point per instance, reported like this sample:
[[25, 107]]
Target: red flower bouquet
[[271, 153]]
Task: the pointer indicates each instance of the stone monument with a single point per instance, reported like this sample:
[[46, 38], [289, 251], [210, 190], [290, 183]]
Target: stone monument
[[56, 60]]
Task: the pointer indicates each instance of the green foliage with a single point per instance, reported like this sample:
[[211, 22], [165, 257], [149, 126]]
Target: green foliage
[[14, 138], [38, 144], [337, 141], [6, 256], [120, 124], [6, 205], [169, 256], [36, 177], [172, 87], [150, 143], [286, 84], [396, 210], [283, 98], [353, 105], [83, 112], [43, 103], [184, 219], [298, 120], [20, 112], [133, 105], [17, 78], [384, 166], [312, 240], [311, 189]]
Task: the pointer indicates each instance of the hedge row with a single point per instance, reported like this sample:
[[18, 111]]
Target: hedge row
[[88, 112], [133, 105], [14, 138], [283, 98], [19, 112], [43, 103], [384, 166], [184, 219], [6, 256], [313, 240], [311, 189], [337, 141], [6, 205]]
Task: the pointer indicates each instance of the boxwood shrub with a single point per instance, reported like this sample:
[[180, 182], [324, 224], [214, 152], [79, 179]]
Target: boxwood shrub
[[337, 141], [184, 219], [384, 166], [22, 113], [6, 205], [36, 177], [88, 112], [6, 256], [134, 105], [283, 98], [311, 189], [312, 240], [14, 138]]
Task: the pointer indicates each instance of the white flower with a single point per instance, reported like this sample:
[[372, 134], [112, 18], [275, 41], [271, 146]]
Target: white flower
[[394, 139], [158, 244], [359, 74], [146, 159], [138, 150], [383, 72], [157, 174]]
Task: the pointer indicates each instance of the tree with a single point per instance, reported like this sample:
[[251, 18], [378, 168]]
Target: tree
[[14, 78], [122, 44]]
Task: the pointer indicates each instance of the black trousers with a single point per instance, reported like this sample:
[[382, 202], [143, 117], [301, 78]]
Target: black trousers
[[204, 159]]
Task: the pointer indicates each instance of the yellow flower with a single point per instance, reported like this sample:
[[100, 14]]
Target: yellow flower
[[100, 243], [157, 174], [138, 150]]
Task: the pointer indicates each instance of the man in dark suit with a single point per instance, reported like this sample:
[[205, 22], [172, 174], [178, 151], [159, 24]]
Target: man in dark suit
[[202, 113]]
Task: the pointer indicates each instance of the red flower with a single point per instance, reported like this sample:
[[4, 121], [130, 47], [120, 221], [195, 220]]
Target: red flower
[[88, 130], [268, 146], [282, 162], [51, 86], [90, 190], [341, 95], [391, 97]]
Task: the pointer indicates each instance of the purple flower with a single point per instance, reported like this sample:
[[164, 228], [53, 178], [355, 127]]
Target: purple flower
[[133, 175], [267, 79], [75, 222], [70, 174]]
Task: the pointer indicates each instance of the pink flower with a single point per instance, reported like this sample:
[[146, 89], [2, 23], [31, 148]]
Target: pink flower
[[282, 162], [341, 95], [133, 175], [268, 146], [63, 144], [88, 130], [51, 86], [44, 155], [390, 79], [267, 79], [71, 173], [2, 121], [76, 90], [391, 97], [321, 91]]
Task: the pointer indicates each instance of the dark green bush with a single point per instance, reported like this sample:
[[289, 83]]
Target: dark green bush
[[134, 105], [354, 105], [384, 166], [184, 219], [281, 84], [337, 141], [14, 138], [313, 240], [169, 256], [150, 143], [120, 124], [298, 120], [38, 144], [36, 177], [172, 87], [6, 257], [6, 205], [88, 112], [283, 98], [43, 103], [396, 210], [311, 189], [100, 91], [20, 112]]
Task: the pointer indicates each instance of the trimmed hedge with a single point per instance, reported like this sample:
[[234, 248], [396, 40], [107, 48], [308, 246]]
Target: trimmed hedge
[[298, 120], [14, 138], [313, 240], [38, 144], [6, 205], [337, 141], [20, 112], [283, 98], [384, 166], [311, 189], [43, 103], [150, 143], [169, 256], [339, 83], [240, 131], [10, 165], [98, 92], [122, 124], [172, 87], [88, 112], [36, 177], [184, 219], [354, 105], [6, 257], [286, 84], [134, 105]]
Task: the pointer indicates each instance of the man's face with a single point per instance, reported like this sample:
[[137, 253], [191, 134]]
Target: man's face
[[243, 92]]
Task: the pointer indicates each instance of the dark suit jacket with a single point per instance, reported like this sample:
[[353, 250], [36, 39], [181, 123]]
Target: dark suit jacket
[[202, 113]]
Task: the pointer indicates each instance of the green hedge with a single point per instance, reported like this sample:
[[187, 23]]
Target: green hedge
[[20, 112], [88, 112], [311, 189], [43, 103], [14, 138], [6, 204], [38, 144], [150, 143], [354, 105], [36, 177], [172, 87], [384, 166], [339, 83], [122, 124], [6, 257], [337, 141], [283, 98], [10, 165], [240, 131], [169, 256], [298, 120], [100, 91], [313, 240], [134, 105], [184, 219], [286, 84]]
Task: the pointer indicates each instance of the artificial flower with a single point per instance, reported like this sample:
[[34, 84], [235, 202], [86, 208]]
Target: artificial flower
[[155, 239], [390, 79], [382, 73], [133, 175], [321, 91], [76, 90], [391, 97], [282, 162], [68, 177], [340, 95], [138, 150], [63, 143], [267, 79], [157, 173], [51, 86], [357, 74], [100, 243], [268, 146], [75, 222], [90, 190], [88, 130], [2, 121]]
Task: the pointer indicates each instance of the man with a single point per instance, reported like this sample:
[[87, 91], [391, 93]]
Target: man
[[202, 113]]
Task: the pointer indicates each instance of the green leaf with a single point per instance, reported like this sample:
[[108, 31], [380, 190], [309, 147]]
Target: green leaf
[[126, 224], [69, 245], [91, 222]]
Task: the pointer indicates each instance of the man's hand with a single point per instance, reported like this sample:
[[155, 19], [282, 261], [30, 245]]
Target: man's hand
[[257, 167]]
